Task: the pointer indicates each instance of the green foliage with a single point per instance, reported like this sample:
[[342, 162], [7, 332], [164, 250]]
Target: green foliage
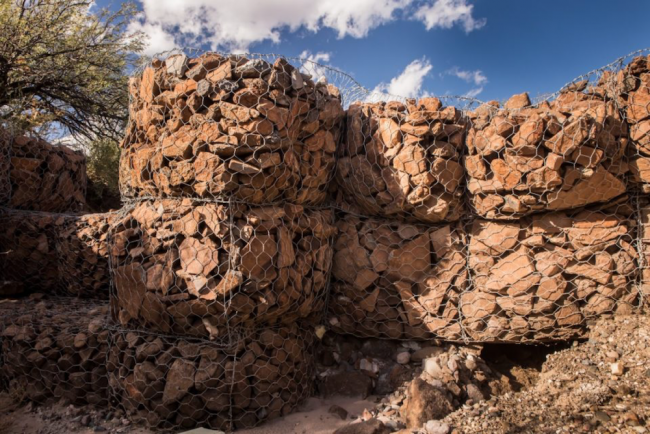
[[63, 64], [103, 166]]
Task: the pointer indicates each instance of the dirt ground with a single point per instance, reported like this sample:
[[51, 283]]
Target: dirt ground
[[313, 418], [601, 385]]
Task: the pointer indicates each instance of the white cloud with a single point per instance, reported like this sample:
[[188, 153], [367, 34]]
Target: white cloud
[[409, 83], [158, 40], [447, 13], [315, 69], [235, 25], [477, 77], [473, 93]]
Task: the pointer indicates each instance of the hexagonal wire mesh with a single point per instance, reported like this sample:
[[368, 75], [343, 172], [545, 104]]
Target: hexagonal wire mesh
[[41, 176], [54, 349], [194, 268], [237, 381], [251, 128], [562, 260], [54, 253], [534, 258]]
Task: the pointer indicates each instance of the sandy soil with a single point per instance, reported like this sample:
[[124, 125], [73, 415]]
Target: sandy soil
[[313, 418]]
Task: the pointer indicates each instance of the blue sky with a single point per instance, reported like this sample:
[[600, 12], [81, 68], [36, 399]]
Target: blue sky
[[491, 48]]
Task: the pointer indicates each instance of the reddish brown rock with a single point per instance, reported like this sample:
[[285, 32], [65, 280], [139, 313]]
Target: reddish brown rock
[[179, 384], [42, 176], [403, 161], [82, 248], [28, 242], [195, 268], [56, 350], [633, 92], [545, 276], [396, 280], [212, 132], [557, 155]]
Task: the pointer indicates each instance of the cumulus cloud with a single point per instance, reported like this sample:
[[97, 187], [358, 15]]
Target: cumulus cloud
[[447, 13], [409, 83], [315, 69], [477, 77], [234, 26]]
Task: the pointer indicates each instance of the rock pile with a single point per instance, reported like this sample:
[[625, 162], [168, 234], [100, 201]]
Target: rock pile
[[56, 350], [180, 383], [600, 385], [54, 253], [5, 167], [543, 277], [397, 280], [403, 160], [195, 268], [230, 127], [82, 248], [46, 177], [28, 259], [552, 156], [413, 382], [633, 87]]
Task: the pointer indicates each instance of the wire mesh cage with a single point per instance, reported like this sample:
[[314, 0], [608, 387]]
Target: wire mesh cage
[[55, 349], [564, 152], [28, 260], [196, 268], [546, 276], [54, 253], [633, 91], [82, 249], [397, 280], [45, 177], [5, 166], [237, 382], [252, 128], [402, 160]]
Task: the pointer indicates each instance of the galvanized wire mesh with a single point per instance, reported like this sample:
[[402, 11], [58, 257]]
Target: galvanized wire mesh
[[196, 268], [449, 219], [55, 349], [398, 280], [44, 177], [402, 160], [255, 129], [559, 154], [237, 382], [54, 253]]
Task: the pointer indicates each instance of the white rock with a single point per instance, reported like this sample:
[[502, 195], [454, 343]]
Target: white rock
[[432, 367], [617, 368], [436, 427], [403, 358]]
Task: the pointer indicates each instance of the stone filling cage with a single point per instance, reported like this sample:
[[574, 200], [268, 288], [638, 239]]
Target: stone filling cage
[[65, 254], [250, 196], [494, 223], [252, 128], [193, 268], [65, 349], [38, 176], [55, 349]]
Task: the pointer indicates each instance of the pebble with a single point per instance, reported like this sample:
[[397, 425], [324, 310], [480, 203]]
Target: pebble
[[436, 427], [617, 368], [403, 358]]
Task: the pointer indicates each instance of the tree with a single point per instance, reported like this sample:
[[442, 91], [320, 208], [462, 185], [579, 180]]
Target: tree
[[62, 65]]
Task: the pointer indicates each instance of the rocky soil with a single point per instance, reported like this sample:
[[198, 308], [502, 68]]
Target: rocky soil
[[600, 385]]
